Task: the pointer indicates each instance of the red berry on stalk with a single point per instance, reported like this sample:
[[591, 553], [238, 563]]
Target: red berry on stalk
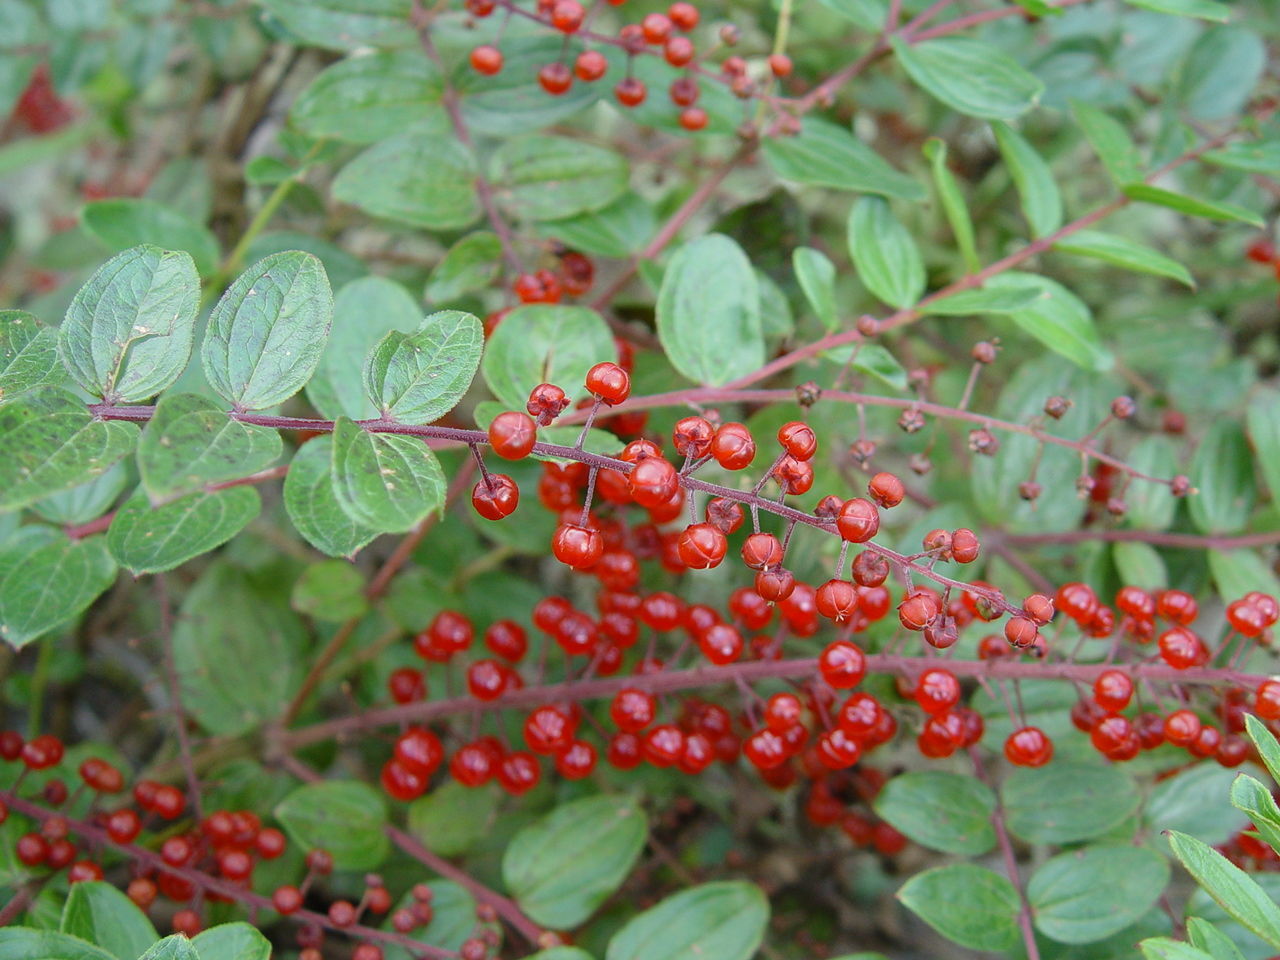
[[546, 402], [630, 92], [486, 60], [495, 498], [512, 435], [656, 27], [566, 16], [798, 439], [693, 119], [918, 611], [937, 690], [1028, 747], [858, 520], [609, 382], [653, 482], [838, 600], [590, 65], [733, 446], [780, 65], [406, 685], [663, 745], [1021, 632], [692, 437], [1113, 690], [555, 78], [1181, 728], [702, 545], [842, 664], [761, 551], [775, 584], [678, 51], [684, 15], [577, 546]]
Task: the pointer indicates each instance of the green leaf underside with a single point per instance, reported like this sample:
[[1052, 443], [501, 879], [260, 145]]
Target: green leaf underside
[[1123, 253], [1058, 319], [383, 481], [826, 155], [47, 580], [1037, 188], [970, 76], [817, 277], [884, 254]]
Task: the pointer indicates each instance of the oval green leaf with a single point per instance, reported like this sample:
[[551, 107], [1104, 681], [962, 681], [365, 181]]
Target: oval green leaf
[[28, 354], [969, 905], [47, 580], [426, 179], [419, 377], [1233, 889], [147, 539], [313, 506], [1086, 895], [826, 155], [722, 920], [382, 481], [551, 178], [548, 343], [124, 222], [969, 76], [345, 817], [886, 257], [364, 99], [943, 811], [101, 914]]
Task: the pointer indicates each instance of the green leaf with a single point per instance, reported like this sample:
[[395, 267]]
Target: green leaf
[[617, 231], [970, 905], [563, 867], [1221, 70], [101, 914], [266, 334], [173, 947], [549, 343], [1110, 141], [124, 222], [1252, 156], [970, 76], [25, 943], [191, 443], [47, 580], [238, 654], [1066, 802], [419, 377], [1123, 253], [1254, 800], [331, 590], [363, 312], [313, 506], [423, 179], [817, 277], [86, 502], [512, 102], [709, 312], [560, 953], [1152, 505], [1263, 422], [1140, 564], [550, 178], [1202, 9], [1236, 572], [128, 331], [723, 920], [1233, 889], [942, 811], [471, 264], [367, 98], [345, 817], [51, 444], [953, 204], [1162, 948], [346, 24], [1222, 470], [383, 481], [868, 14], [266, 171], [989, 299], [232, 941], [886, 258], [453, 919], [1195, 799], [1213, 941], [451, 818], [148, 539], [1086, 895], [1192, 206], [1038, 191], [1058, 319], [827, 155], [1265, 741], [28, 354]]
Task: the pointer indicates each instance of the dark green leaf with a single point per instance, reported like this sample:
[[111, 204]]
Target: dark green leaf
[[363, 312], [886, 258], [191, 443], [128, 331], [419, 377], [512, 102], [1192, 206], [1265, 741], [618, 230], [451, 819], [970, 905], [1058, 319], [1152, 505], [817, 277], [548, 343], [1162, 948], [1251, 798], [1195, 799], [47, 580], [989, 299], [384, 481], [28, 354], [943, 811], [709, 312], [1086, 895], [1253, 156], [561, 868], [125, 222], [1110, 141], [1221, 70], [173, 947], [1233, 889], [1263, 421], [85, 502], [423, 179], [330, 590], [1236, 572], [266, 334], [1038, 191], [722, 920], [970, 76], [1139, 564], [345, 817], [232, 941], [471, 264], [101, 914], [1127, 254], [25, 943], [147, 539], [1210, 939], [1222, 470], [551, 178], [953, 204], [826, 155], [364, 99], [1067, 802], [313, 507], [238, 654], [52, 444], [346, 24]]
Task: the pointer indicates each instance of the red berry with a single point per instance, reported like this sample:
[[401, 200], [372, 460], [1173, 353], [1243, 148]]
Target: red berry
[[653, 482], [702, 545], [1113, 690], [495, 498], [486, 59], [632, 710], [512, 435], [555, 78], [918, 610], [1181, 728], [519, 773], [733, 446], [678, 51], [1182, 649], [630, 92], [656, 27], [693, 119], [590, 65], [780, 65], [609, 382], [842, 664], [577, 546], [1028, 747], [406, 685], [684, 15], [1178, 606], [663, 745], [549, 729], [858, 520], [838, 600], [566, 16], [937, 690]]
